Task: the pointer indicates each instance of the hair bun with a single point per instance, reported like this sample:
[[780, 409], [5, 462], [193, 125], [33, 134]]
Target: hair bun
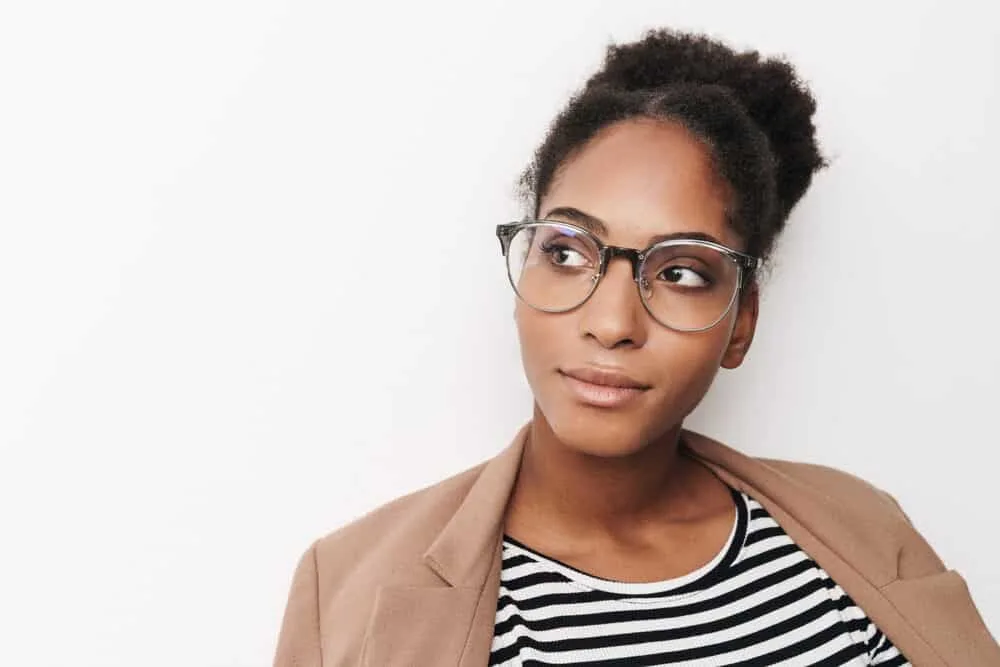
[[773, 96]]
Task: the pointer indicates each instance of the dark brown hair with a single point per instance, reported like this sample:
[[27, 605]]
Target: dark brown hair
[[753, 114]]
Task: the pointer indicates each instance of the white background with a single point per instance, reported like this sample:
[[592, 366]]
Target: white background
[[249, 287]]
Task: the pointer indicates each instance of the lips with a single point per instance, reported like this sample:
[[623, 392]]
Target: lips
[[604, 378], [602, 388]]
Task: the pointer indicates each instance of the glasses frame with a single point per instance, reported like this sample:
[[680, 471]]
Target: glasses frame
[[746, 265]]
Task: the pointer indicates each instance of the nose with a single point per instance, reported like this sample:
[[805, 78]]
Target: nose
[[614, 315]]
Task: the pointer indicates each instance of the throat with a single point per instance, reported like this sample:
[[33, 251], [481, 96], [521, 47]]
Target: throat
[[563, 497]]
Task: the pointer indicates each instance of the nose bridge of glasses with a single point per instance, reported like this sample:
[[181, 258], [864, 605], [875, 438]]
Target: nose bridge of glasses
[[633, 256]]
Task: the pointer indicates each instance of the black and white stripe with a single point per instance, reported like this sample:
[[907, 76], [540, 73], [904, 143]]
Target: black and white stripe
[[760, 602]]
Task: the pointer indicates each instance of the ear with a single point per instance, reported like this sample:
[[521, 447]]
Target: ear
[[744, 328]]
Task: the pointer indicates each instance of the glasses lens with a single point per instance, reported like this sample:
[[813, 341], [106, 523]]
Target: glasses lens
[[688, 286], [552, 267]]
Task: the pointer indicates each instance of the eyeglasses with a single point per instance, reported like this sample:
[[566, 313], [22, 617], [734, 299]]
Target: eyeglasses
[[686, 285]]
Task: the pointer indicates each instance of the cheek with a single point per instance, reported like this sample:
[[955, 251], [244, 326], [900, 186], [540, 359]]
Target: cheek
[[684, 358], [538, 335], [697, 349], [687, 363]]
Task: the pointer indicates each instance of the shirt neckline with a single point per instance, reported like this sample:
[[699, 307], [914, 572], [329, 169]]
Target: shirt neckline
[[699, 579]]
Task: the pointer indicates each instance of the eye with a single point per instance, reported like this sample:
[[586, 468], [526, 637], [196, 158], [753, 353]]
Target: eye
[[684, 276], [561, 255]]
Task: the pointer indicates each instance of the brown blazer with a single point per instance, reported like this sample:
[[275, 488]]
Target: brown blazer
[[415, 582]]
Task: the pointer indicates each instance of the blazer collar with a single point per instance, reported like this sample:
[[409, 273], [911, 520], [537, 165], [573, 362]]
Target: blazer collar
[[451, 624], [458, 553]]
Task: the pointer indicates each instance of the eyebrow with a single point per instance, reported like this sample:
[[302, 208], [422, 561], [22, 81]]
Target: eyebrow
[[597, 226]]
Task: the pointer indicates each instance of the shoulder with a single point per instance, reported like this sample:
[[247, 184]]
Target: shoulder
[[794, 482], [873, 513], [839, 486], [337, 579], [847, 513]]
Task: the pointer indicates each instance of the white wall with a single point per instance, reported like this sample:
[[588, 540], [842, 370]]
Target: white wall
[[218, 339]]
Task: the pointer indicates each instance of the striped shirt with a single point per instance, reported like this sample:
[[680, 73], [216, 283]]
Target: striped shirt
[[761, 601]]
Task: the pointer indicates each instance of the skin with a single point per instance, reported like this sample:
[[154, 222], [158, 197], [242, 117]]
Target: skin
[[602, 489]]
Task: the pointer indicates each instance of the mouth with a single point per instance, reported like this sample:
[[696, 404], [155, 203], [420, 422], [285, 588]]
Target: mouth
[[602, 388]]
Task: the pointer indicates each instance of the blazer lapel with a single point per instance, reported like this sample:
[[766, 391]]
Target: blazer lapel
[[942, 597], [451, 623], [480, 641], [422, 625]]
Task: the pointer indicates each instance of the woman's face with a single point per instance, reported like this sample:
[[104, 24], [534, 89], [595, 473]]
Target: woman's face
[[639, 179]]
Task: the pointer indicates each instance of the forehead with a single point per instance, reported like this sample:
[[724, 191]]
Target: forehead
[[644, 178]]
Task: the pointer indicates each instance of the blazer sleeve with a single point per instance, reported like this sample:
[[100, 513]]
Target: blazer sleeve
[[299, 638]]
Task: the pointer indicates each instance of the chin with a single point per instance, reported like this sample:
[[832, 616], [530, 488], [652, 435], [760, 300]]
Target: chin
[[597, 431]]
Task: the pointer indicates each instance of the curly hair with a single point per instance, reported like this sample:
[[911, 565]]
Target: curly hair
[[753, 114]]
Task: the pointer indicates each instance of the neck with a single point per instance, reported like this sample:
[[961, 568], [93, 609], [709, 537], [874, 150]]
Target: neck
[[581, 493]]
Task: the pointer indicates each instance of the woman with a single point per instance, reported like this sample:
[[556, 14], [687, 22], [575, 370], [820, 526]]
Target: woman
[[606, 533]]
